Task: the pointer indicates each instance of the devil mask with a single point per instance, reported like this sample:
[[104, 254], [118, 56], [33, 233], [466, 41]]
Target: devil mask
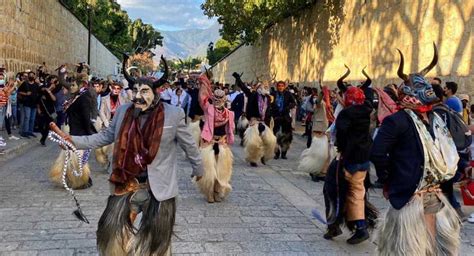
[[144, 97], [414, 85]]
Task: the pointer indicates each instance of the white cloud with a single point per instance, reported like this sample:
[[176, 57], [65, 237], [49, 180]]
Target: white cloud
[[168, 14]]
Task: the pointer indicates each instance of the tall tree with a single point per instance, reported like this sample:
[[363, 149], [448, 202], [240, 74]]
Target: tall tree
[[222, 47], [113, 27], [247, 20]]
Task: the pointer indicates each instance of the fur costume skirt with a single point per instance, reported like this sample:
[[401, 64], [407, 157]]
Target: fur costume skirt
[[217, 164], [284, 141], [406, 231], [195, 131], [56, 171], [258, 144], [242, 125], [119, 234], [103, 154], [316, 158]]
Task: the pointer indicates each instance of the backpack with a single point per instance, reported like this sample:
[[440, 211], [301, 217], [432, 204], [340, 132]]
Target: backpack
[[457, 127]]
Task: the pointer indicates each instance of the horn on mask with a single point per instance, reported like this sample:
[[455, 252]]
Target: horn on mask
[[163, 78], [400, 67], [340, 81], [433, 63]]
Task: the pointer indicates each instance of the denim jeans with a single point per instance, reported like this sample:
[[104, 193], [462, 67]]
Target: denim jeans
[[14, 117], [3, 112], [28, 119]]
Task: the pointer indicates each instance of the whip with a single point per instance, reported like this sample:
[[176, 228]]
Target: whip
[[56, 135]]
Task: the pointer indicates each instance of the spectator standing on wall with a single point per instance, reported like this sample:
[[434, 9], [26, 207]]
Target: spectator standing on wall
[[28, 92]]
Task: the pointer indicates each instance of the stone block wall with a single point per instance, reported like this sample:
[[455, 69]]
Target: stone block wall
[[37, 31], [362, 33]]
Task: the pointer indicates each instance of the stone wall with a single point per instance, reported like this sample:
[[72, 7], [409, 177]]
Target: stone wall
[[363, 33], [37, 31]]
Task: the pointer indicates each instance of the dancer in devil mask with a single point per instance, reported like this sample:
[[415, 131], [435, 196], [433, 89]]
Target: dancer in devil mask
[[259, 140], [144, 180], [216, 136], [281, 106], [413, 153]]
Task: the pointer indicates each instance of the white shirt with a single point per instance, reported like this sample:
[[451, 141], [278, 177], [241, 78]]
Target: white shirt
[[175, 99], [166, 94]]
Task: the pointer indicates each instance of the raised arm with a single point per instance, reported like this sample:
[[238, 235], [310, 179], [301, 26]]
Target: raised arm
[[241, 84], [205, 91]]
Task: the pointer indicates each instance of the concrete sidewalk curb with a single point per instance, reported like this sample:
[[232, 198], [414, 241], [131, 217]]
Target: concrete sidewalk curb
[[20, 147]]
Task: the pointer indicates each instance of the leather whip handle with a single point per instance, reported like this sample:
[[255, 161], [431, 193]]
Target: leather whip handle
[[53, 127]]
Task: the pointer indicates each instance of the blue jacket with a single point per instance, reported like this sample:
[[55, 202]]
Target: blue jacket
[[397, 154]]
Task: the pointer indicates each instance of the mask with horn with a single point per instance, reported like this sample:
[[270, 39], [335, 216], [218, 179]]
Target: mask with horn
[[415, 89], [340, 82], [164, 77]]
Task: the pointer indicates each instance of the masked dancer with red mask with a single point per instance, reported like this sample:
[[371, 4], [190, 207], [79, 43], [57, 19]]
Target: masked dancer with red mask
[[144, 175], [283, 102], [344, 186], [216, 136], [259, 140], [413, 153]]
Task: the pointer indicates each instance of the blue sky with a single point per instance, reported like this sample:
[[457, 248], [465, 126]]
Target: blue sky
[[168, 15]]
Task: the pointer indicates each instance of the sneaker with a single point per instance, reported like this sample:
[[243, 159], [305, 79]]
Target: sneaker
[[2, 143], [471, 219], [13, 137]]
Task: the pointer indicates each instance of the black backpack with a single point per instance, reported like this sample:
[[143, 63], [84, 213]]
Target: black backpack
[[457, 127]]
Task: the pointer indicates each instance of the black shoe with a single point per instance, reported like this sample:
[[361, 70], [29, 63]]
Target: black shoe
[[277, 154], [360, 235], [42, 142], [263, 161], [253, 164], [24, 135], [33, 135], [333, 231], [316, 177], [283, 155]]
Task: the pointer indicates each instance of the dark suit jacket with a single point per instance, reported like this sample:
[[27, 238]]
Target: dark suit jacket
[[237, 105], [398, 157], [289, 102], [79, 116]]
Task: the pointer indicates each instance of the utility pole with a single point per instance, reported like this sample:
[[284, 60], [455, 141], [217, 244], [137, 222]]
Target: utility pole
[[89, 27]]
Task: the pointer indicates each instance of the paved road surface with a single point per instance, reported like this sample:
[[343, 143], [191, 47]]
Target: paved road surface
[[268, 212]]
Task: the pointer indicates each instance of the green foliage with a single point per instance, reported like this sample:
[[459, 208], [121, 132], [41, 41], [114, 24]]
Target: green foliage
[[190, 63], [219, 50], [246, 20], [112, 26]]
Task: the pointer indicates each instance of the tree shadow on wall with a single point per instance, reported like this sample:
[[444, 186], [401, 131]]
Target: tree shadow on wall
[[320, 27], [416, 30]]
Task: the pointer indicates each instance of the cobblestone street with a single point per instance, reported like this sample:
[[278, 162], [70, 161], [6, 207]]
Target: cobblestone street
[[268, 212]]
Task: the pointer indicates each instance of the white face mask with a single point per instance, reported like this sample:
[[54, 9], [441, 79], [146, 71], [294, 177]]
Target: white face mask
[[2, 82], [62, 70]]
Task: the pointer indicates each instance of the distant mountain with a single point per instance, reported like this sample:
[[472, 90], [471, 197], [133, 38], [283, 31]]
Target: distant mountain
[[186, 43]]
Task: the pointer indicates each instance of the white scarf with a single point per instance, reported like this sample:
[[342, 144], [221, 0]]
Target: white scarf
[[440, 154]]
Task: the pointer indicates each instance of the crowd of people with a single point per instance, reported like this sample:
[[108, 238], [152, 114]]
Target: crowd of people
[[416, 136]]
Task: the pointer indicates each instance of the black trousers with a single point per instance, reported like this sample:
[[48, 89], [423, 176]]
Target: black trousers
[[43, 124]]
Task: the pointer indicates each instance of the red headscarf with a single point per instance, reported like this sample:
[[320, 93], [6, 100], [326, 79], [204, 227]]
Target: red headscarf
[[354, 96]]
